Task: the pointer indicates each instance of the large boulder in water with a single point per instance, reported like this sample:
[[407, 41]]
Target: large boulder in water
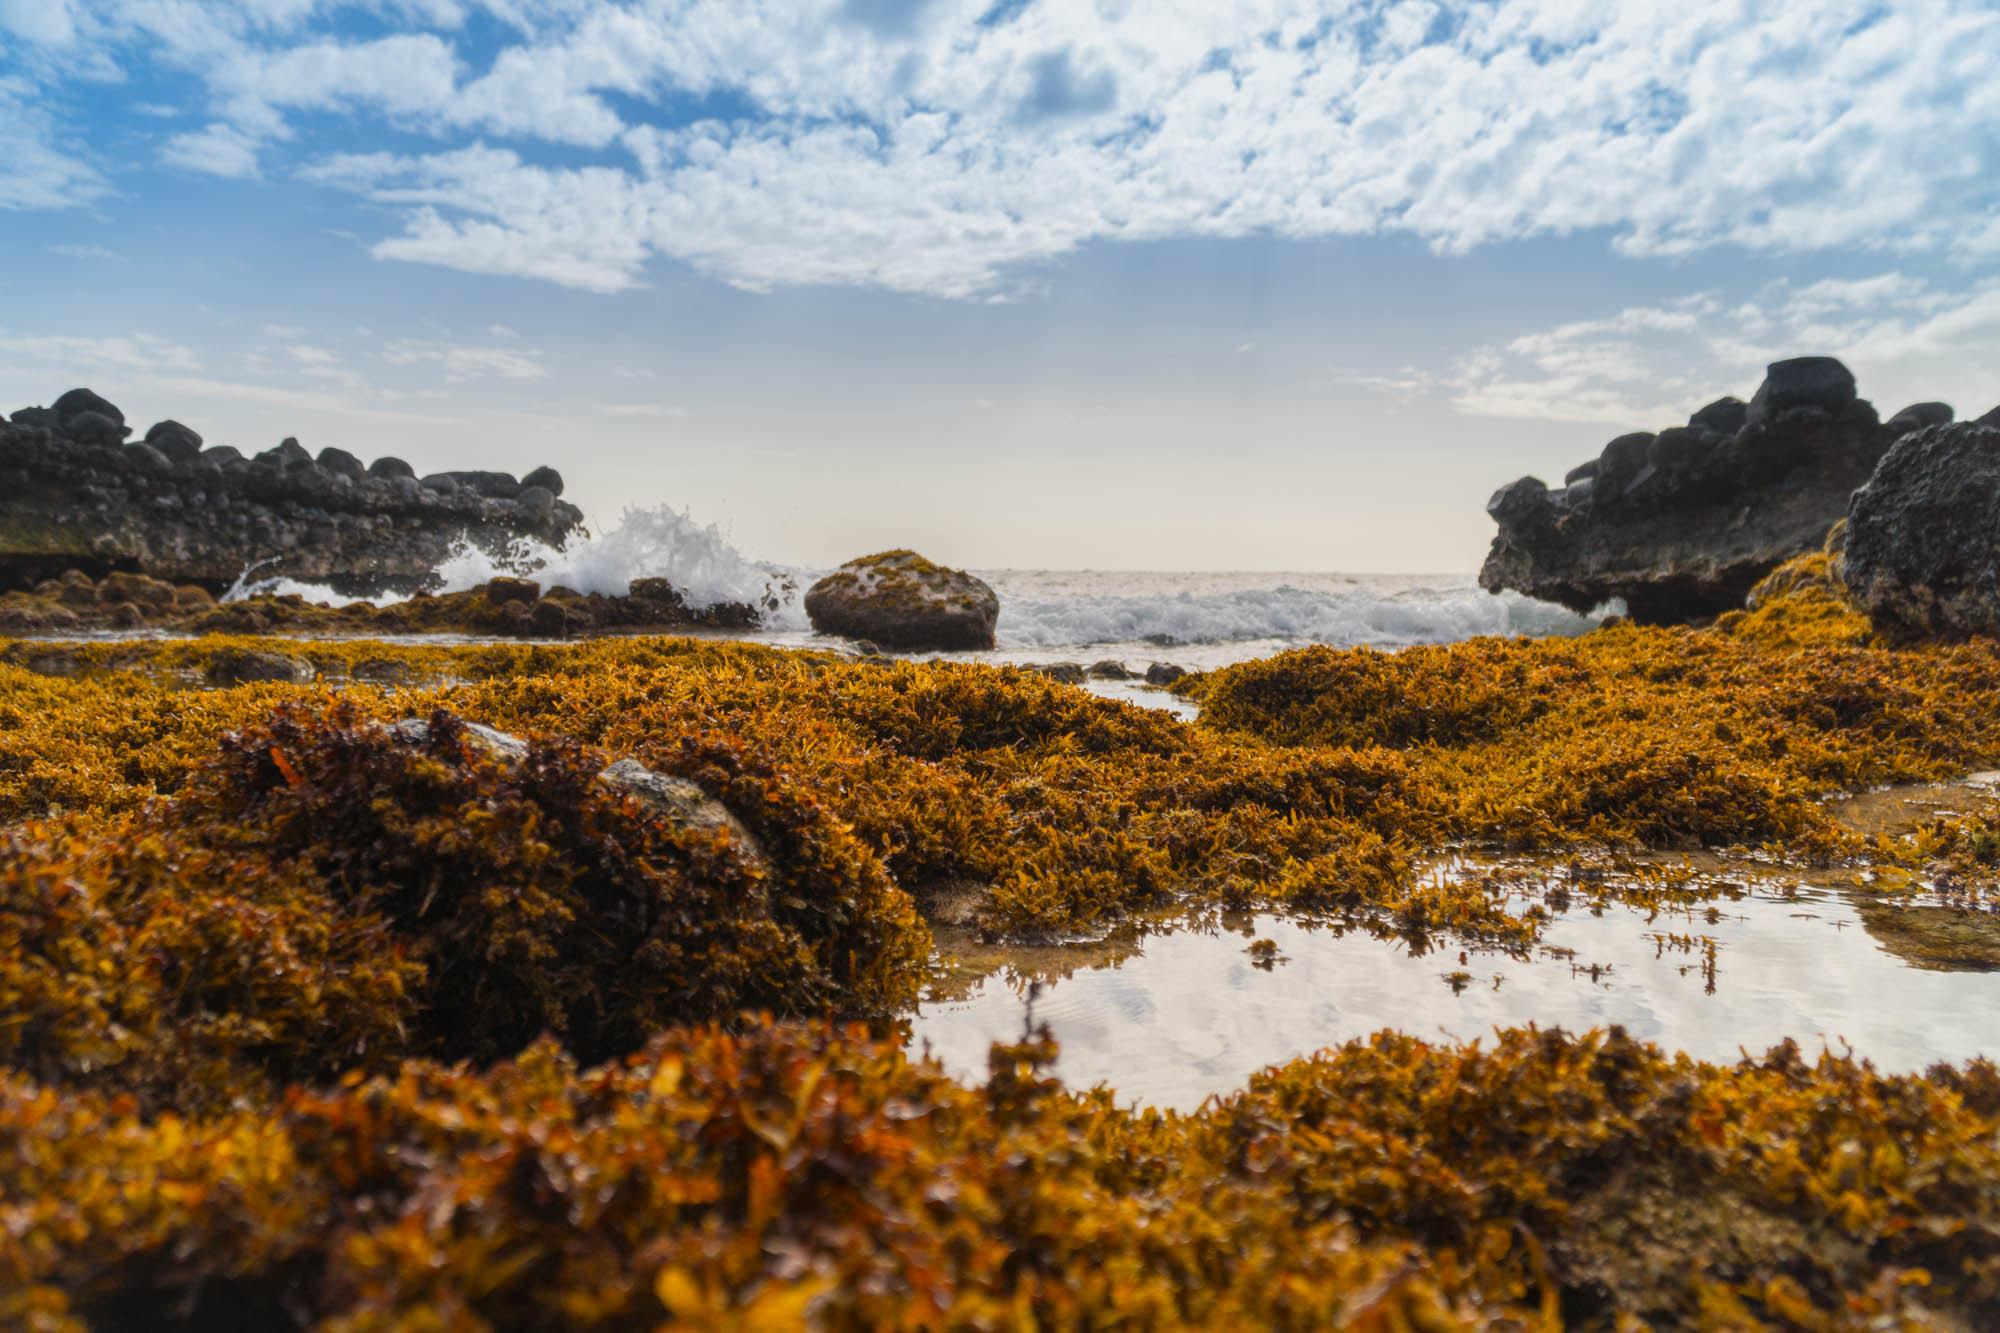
[[1923, 536], [1682, 523], [903, 601]]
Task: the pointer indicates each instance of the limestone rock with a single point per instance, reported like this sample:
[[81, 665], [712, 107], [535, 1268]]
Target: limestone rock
[[1683, 523], [75, 493], [1923, 536], [905, 603]]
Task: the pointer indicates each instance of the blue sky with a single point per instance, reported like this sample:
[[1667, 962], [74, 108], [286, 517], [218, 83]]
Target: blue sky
[[1265, 285]]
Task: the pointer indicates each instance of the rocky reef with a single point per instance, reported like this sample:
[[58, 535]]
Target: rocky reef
[[1683, 523], [77, 493], [900, 600]]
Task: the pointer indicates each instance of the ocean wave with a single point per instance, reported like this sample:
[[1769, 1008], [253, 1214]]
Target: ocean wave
[[1343, 617]]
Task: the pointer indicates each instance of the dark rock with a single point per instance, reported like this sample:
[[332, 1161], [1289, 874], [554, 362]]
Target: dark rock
[[1621, 461], [1519, 501], [79, 401], [1584, 471], [1164, 673], [390, 468], [492, 485], [1065, 673], [95, 500], [45, 417], [1724, 416], [535, 501], [1109, 669], [440, 483], [1923, 536], [1682, 524], [547, 478], [242, 666], [174, 440], [1918, 415], [503, 590], [905, 603], [145, 457], [340, 463], [1990, 419], [288, 455], [95, 428], [553, 620], [1803, 381]]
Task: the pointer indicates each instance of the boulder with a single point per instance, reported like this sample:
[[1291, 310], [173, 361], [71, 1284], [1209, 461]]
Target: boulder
[[1063, 673], [1683, 523], [1923, 536], [340, 463], [79, 401], [502, 590], [905, 603], [547, 478], [390, 468], [287, 455], [1918, 415], [95, 428], [1818, 382], [1110, 669], [176, 441], [1164, 673], [440, 483], [1724, 416], [492, 485]]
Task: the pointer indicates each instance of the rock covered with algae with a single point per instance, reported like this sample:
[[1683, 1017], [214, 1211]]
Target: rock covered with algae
[[902, 601]]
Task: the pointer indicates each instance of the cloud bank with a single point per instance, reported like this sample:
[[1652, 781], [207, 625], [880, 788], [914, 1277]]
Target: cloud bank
[[946, 147]]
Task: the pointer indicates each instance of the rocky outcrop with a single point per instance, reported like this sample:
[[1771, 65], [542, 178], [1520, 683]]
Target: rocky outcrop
[[904, 602], [1682, 523], [1923, 536], [505, 607], [77, 493]]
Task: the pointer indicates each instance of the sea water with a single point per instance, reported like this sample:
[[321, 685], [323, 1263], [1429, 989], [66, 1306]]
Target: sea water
[[1196, 620]]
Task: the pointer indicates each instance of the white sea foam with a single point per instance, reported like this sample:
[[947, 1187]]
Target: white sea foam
[[1198, 619], [659, 542], [1042, 610]]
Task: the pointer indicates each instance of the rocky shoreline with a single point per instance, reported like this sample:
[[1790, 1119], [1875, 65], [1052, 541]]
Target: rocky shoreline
[[1683, 523], [76, 493]]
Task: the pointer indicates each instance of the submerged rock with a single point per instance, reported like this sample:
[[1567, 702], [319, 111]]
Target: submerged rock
[[74, 493], [905, 603], [1923, 536], [1682, 523]]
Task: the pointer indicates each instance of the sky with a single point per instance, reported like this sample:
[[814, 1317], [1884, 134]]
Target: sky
[[1265, 285]]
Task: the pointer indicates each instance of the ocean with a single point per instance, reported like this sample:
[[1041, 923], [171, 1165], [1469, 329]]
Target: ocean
[[1197, 620]]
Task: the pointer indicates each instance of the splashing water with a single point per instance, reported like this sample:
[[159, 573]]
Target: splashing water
[[658, 542]]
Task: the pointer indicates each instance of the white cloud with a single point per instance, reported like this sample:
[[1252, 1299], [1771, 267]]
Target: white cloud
[[36, 170], [218, 150], [68, 251], [122, 354], [907, 145], [466, 363], [1906, 340]]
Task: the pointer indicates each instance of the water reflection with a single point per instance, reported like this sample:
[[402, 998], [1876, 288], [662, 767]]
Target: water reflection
[[1196, 1011]]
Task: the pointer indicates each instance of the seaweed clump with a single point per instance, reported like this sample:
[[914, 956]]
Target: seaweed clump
[[326, 893], [781, 1176]]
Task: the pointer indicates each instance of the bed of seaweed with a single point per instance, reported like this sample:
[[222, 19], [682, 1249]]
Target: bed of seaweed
[[310, 1024]]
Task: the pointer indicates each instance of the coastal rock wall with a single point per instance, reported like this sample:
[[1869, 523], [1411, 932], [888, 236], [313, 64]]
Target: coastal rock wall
[[1683, 523], [77, 493]]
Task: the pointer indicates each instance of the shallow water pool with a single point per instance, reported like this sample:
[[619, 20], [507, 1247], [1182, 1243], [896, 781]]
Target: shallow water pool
[[1174, 1017]]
